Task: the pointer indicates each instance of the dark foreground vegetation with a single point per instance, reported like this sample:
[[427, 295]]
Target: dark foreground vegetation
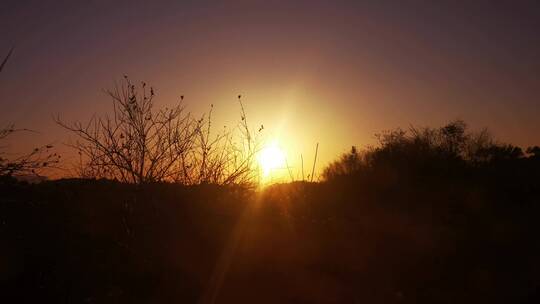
[[428, 216]]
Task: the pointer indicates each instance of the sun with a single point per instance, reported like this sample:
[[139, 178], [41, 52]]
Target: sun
[[271, 157]]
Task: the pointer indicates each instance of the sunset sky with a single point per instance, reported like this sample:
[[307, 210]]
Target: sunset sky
[[327, 72]]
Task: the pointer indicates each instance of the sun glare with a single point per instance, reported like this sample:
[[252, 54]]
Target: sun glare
[[270, 158]]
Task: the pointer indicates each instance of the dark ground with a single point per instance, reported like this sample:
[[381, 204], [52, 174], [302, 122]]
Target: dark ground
[[88, 241]]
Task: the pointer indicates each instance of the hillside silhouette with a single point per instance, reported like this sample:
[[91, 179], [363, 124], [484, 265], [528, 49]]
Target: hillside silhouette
[[429, 215]]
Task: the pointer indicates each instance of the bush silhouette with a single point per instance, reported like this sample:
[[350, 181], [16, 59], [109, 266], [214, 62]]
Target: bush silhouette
[[141, 144], [447, 150]]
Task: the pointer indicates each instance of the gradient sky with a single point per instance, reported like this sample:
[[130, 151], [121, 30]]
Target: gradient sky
[[333, 72]]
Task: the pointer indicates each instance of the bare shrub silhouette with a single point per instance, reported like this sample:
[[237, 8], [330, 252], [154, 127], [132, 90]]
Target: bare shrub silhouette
[[136, 144], [139, 144], [32, 163]]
